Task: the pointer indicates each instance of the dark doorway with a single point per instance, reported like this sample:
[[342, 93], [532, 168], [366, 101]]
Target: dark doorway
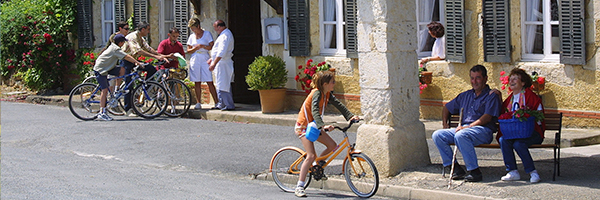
[[244, 23]]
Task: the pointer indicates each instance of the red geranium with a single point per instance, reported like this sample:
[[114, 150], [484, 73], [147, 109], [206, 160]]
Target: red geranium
[[307, 71]]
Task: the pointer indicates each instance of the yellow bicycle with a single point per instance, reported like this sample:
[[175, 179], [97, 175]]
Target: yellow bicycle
[[359, 171]]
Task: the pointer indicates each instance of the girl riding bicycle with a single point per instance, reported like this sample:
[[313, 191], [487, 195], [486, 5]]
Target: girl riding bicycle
[[312, 111]]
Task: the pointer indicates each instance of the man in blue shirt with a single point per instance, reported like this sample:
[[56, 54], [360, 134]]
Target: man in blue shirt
[[481, 109]]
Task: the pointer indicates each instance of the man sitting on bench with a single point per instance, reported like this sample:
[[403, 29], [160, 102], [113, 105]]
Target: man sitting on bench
[[479, 118]]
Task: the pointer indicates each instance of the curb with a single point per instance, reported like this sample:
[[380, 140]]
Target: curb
[[392, 191]]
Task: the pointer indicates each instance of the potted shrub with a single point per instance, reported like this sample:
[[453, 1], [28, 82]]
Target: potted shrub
[[268, 75]]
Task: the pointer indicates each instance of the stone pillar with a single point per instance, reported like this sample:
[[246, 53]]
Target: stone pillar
[[392, 134]]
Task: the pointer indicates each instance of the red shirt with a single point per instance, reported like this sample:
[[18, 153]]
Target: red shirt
[[166, 47]]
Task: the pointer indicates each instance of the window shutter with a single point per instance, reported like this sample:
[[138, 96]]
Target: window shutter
[[181, 19], [351, 28], [496, 31], [119, 11], [84, 29], [455, 31], [298, 20], [140, 11], [572, 37]]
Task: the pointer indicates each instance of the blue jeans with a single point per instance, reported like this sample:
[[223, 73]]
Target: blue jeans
[[465, 139], [521, 146], [128, 68]]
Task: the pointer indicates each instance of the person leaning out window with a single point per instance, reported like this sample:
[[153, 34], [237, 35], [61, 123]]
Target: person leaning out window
[[438, 52]]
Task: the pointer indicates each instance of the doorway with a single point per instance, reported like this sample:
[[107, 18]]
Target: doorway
[[244, 23]]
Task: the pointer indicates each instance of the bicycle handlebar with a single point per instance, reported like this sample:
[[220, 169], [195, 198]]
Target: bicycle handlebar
[[347, 127]]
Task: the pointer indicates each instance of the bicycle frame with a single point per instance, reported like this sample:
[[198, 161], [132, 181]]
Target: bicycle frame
[[295, 167]]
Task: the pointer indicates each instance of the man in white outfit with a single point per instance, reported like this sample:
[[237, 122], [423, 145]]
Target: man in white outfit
[[222, 64]]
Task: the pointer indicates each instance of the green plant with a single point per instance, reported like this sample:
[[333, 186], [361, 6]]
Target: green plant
[[35, 41], [266, 72], [307, 71]]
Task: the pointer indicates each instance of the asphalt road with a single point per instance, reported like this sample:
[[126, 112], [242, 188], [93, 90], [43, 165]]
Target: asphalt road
[[49, 154]]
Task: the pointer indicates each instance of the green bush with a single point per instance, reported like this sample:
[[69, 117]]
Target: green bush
[[266, 72], [35, 41]]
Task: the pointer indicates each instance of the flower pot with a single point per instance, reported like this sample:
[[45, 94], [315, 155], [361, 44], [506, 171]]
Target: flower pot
[[272, 101], [426, 77], [537, 86]]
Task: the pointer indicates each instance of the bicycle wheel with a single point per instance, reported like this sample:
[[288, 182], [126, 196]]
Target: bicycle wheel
[[84, 101], [285, 169], [361, 175], [180, 98], [149, 100]]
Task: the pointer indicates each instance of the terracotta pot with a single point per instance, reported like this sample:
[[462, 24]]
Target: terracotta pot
[[538, 87], [272, 101], [426, 77]]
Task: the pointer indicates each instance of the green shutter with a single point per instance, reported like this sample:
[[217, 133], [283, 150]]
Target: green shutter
[[298, 24], [181, 19], [84, 29], [496, 31], [455, 31], [572, 32], [120, 15], [351, 28], [140, 11]]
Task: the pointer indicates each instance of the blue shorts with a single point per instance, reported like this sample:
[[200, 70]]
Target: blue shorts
[[103, 80]]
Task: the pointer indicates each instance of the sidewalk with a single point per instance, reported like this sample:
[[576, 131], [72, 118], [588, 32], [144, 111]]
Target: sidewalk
[[578, 164]]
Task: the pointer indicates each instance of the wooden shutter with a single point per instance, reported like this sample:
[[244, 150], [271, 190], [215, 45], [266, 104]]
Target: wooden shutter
[[496, 31], [84, 29], [181, 19], [455, 31], [120, 15], [351, 28], [572, 32], [298, 20], [140, 11]]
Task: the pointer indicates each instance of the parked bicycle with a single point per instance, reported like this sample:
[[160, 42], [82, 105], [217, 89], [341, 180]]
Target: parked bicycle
[[149, 98], [359, 171], [180, 98]]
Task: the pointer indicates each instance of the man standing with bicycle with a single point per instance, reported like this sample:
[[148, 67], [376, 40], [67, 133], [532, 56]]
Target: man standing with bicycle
[[136, 46]]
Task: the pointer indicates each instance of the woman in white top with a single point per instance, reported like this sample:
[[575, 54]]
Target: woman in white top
[[438, 52], [198, 45]]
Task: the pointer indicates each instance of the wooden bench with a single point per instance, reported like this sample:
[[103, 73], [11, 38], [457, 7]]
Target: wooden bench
[[553, 123]]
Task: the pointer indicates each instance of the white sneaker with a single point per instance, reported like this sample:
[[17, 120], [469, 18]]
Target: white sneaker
[[535, 177], [512, 175], [130, 113], [104, 117], [198, 106], [300, 192]]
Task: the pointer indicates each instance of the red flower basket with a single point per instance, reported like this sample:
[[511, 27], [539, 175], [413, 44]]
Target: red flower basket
[[515, 129]]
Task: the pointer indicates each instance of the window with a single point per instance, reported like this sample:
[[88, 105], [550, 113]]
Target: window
[[540, 30], [427, 11], [108, 20], [332, 26], [168, 18], [174, 13]]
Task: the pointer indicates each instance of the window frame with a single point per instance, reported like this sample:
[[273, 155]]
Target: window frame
[[547, 24], [339, 23], [162, 28], [107, 33], [422, 54]]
